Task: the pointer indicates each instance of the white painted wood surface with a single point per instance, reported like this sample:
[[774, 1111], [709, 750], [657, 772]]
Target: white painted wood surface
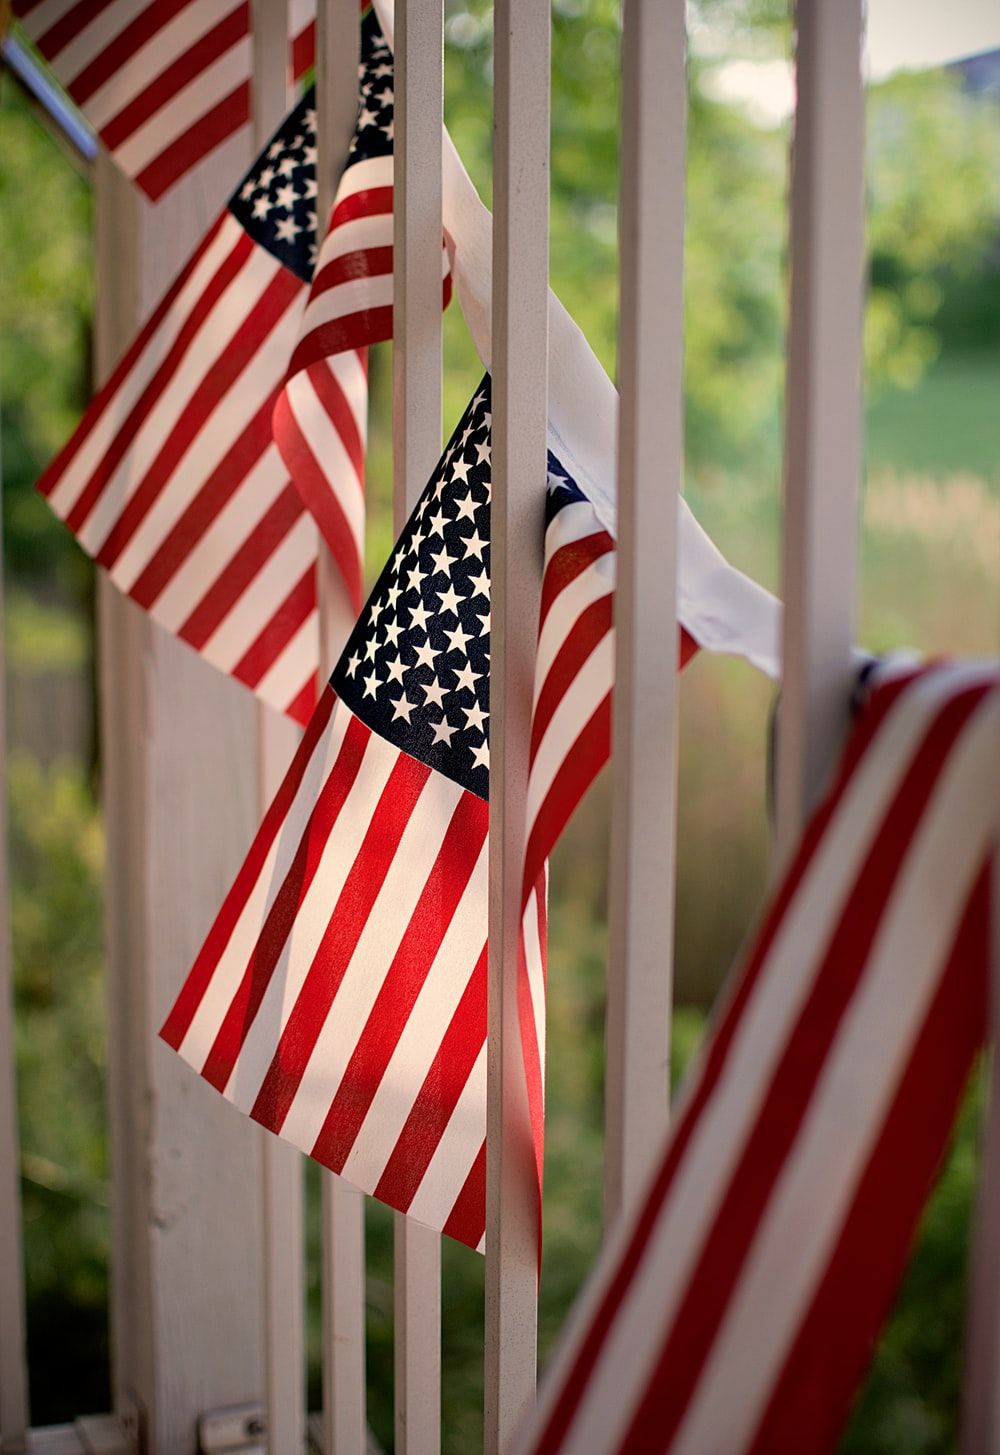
[[646, 696], [416, 444], [13, 1349], [180, 802], [822, 406], [521, 48]]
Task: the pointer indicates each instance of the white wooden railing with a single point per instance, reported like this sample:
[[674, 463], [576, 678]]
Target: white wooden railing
[[208, 1256]]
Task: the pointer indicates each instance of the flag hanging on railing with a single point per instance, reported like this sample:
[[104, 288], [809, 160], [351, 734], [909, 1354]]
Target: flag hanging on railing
[[739, 1304], [163, 82], [172, 481], [340, 998], [320, 420]]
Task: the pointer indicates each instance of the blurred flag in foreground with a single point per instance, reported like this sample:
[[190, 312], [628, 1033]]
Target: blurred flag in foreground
[[738, 1305], [163, 82], [340, 997]]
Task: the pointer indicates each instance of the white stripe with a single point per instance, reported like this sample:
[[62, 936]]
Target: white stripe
[[211, 340], [397, 899], [225, 424], [221, 542], [279, 574], [246, 932], [354, 236], [429, 1019], [324, 440], [576, 706], [350, 373], [186, 108], [148, 63], [573, 522], [455, 1152], [590, 585], [44, 16], [536, 975], [120, 404], [357, 295], [300, 13], [764, 1025], [311, 919], [850, 1102], [296, 664], [360, 176], [89, 42]]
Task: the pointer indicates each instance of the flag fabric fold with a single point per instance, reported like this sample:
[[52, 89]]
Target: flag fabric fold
[[164, 83], [736, 1308], [340, 998], [172, 481]]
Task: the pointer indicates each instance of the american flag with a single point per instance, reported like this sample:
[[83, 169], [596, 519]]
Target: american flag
[[737, 1307], [172, 481], [321, 415], [163, 82], [340, 997]]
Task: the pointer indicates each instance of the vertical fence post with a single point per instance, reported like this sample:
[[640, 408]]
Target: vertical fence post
[[13, 1350], [521, 49], [344, 1415], [650, 478], [822, 405], [416, 440], [281, 1163]]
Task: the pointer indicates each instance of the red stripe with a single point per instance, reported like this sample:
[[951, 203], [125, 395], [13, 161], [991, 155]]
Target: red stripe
[[178, 1022], [368, 202], [279, 631], [350, 915], [302, 705], [467, 1219], [567, 563], [319, 498], [74, 19], [828, 1357], [352, 331], [331, 395], [362, 264], [590, 628], [240, 569], [105, 395], [835, 981], [295, 886], [236, 356], [438, 1096], [304, 50], [718, 1048], [190, 528], [581, 765], [158, 383], [203, 136], [180, 73], [439, 899], [119, 52]]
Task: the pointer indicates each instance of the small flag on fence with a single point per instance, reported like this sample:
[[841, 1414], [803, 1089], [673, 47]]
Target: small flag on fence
[[163, 82], [320, 417], [340, 997], [737, 1307]]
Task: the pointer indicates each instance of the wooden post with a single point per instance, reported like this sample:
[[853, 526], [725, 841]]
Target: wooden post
[[180, 807], [650, 479], [416, 440], [521, 47]]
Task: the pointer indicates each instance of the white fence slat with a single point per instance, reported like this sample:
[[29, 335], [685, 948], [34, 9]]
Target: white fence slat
[[343, 1228], [650, 477], [281, 1164], [981, 1390], [822, 405], [180, 808], [13, 1351], [521, 42], [416, 438]]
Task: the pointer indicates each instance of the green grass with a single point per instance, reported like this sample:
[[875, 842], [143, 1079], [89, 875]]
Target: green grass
[[946, 425]]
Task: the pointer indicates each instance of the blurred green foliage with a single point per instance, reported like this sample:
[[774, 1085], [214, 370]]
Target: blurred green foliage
[[930, 548]]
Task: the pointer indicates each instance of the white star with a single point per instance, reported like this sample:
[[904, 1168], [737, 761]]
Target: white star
[[448, 600], [266, 177], [481, 584], [474, 545], [442, 561], [481, 756], [382, 70], [311, 186], [262, 205], [457, 639], [460, 470], [402, 708], [417, 539], [372, 684], [434, 692], [287, 166], [484, 625], [285, 197], [443, 732], [414, 576], [371, 647], [385, 98], [353, 663], [249, 188], [437, 522], [389, 131], [275, 149], [395, 669], [483, 452], [378, 609], [470, 430], [287, 229], [465, 678], [309, 156], [309, 120], [418, 616], [392, 631], [366, 118], [475, 717], [426, 656], [466, 507], [393, 594]]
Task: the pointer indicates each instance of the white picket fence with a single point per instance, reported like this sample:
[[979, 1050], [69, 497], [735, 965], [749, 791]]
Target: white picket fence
[[208, 1256]]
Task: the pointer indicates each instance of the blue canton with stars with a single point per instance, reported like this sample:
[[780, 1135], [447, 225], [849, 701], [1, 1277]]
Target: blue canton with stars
[[416, 668], [276, 201]]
